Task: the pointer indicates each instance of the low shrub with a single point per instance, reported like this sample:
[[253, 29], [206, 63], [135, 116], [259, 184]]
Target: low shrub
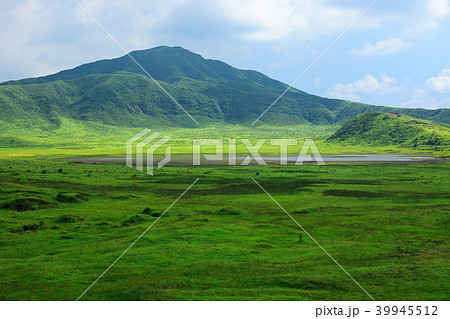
[[148, 211], [156, 214]]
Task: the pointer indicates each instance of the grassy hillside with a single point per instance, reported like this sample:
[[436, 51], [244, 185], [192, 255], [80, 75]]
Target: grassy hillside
[[393, 129], [116, 92]]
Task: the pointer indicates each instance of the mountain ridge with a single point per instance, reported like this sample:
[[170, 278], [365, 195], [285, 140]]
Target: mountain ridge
[[117, 92], [159, 69]]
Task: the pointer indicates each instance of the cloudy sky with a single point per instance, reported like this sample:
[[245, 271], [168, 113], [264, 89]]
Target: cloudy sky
[[398, 54]]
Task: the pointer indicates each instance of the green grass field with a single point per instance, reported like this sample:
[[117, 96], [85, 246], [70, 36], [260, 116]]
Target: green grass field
[[63, 224], [78, 138]]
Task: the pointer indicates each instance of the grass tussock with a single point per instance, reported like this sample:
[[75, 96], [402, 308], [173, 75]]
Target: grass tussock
[[133, 220], [66, 218], [70, 197], [228, 211], [26, 203]]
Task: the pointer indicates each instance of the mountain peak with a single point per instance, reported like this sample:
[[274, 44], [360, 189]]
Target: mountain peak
[[117, 91], [163, 63], [165, 49]]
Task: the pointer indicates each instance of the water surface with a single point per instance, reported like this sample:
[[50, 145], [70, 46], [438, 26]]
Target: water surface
[[274, 159]]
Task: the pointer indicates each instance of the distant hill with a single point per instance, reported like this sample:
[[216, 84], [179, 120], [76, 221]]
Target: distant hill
[[384, 129], [117, 92]]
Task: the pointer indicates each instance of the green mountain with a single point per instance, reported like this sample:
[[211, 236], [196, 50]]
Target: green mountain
[[382, 129], [118, 92]]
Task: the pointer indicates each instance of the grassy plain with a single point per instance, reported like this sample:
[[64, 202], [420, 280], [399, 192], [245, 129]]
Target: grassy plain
[[63, 224], [81, 138]]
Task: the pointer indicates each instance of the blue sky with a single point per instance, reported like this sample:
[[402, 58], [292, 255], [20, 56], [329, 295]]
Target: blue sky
[[397, 55]]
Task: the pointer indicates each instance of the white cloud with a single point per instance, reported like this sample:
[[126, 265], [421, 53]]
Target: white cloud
[[439, 8], [19, 52], [43, 37], [433, 94], [383, 47], [420, 29], [418, 19], [428, 102], [369, 85], [343, 91], [440, 83], [370, 89], [278, 19]]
